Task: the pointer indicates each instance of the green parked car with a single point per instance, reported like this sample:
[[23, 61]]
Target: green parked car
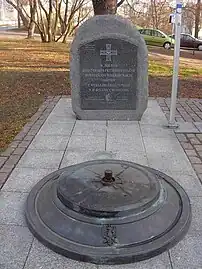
[[155, 37]]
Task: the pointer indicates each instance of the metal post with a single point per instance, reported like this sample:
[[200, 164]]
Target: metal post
[[172, 122]]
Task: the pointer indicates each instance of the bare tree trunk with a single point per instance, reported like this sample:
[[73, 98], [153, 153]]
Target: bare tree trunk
[[31, 30], [41, 23], [18, 15], [49, 21], [56, 19], [197, 18], [32, 22]]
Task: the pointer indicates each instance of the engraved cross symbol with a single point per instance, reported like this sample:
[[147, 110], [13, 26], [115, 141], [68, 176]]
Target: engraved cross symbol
[[108, 52]]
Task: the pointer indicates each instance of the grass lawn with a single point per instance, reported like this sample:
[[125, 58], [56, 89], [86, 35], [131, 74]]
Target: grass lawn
[[30, 71]]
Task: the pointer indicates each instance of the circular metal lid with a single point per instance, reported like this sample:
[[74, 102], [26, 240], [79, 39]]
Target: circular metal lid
[[108, 212], [110, 188]]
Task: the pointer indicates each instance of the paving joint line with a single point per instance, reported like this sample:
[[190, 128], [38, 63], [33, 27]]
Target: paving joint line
[[67, 145], [28, 253], [143, 143], [169, 256]]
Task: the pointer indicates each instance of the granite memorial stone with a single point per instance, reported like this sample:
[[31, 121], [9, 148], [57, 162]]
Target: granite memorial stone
[[109, 70]]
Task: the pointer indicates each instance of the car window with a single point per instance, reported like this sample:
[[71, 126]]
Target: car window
[[156, 33], [187, 38], [146, 32]]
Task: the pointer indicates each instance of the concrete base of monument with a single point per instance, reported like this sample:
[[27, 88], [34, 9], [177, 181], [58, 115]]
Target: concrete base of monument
[[109, 70], [127, 115], [108, 212]]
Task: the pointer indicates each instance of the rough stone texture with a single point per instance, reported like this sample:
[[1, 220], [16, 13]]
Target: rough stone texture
[[49, 142], [156, 131], [90, 128], [41, 159], [43, 258], [196, 215], [115, 27], [14, 246], [12, 208], [87, 142], [190, 183], [187, 254], [23, 179], [186, 127]]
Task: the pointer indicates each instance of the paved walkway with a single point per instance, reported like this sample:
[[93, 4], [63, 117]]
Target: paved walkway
[[61, 140]]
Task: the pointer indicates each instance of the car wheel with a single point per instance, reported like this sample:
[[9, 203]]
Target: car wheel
[[199, 47], [167, 45]]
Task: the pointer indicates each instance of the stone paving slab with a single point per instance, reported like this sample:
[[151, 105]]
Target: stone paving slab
[[56, 129], [187, 127], [15, 243], [23, 179], [124, 144], [147, 143], [196, 227], [90, 128], [156, 131], [41, 159], [50, 142], [187, 253], [96, 143], [166, 161], [189, 182], [162, 144], [12, 208], [41, 257]]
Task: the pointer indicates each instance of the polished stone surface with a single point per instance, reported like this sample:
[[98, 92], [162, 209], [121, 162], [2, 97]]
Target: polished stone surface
[[109, 70]]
